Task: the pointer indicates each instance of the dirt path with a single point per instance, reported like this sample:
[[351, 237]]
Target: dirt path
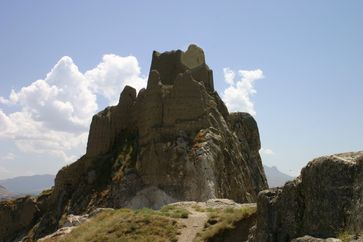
[[198, 216], [193, 224]]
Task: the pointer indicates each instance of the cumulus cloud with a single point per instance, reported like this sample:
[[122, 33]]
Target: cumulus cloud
[[53, 114], [113, 73], [5, 123], [266, 151], [237, 95]]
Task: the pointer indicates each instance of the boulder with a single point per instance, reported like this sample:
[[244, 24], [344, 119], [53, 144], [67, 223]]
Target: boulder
[[324, 201], [16, 217], [308, 238]]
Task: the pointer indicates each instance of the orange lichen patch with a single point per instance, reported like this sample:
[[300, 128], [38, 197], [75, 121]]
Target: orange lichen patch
[[199, 138], [104, 193], [118, 175]]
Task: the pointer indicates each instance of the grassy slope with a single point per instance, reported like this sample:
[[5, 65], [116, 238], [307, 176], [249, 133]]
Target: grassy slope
[[156, 226], [128, 225], [222, 220]]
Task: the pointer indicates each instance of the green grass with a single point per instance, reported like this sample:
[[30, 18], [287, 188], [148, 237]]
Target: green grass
[[46, 193], [174, 211], [220, 220], [344, 236], [129, 225], [198, 208], [347, 236]]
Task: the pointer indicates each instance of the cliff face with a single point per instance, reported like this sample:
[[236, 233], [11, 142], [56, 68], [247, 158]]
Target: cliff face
[[173, 141], [324, 201], [176, 139]]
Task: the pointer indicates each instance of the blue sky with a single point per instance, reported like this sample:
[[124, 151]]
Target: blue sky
[[308, 104]]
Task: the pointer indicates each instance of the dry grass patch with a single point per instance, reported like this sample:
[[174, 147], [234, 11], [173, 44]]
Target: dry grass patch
[[128, 225], [222, 219], [346, 236], [174, 211]]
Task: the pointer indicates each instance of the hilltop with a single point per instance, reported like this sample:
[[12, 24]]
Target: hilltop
[[173, 141]]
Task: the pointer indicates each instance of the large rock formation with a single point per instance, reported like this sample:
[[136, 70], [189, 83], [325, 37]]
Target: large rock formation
[[173, 141], [15, 217], [177, 137], [325, 201]]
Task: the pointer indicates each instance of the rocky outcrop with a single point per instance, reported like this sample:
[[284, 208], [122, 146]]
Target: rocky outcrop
[[69, 223], [177, 138], [324, 201], [17, 217], [173, 141], [307, 238]]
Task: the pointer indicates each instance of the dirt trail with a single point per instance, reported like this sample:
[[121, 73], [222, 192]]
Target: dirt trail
[[198, 216], [193, 224]]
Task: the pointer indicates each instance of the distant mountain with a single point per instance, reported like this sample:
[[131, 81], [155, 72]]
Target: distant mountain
[[28, 184], [4, 191], [5, 194], [276, 178]]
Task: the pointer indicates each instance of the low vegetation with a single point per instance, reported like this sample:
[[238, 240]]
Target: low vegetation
[[346, 236], [221, 220], [174, 211], [46, 193], [130, 225]]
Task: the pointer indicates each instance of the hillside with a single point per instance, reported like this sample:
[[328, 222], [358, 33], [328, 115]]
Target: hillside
[[213, 220], [6, 194]]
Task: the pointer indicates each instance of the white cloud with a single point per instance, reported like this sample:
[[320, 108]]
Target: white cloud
[[3, 170], [237, 95], [62, 101], [9, 156], [229, 76], [266, 151], [53, 114], [113, 73], [5, 123]]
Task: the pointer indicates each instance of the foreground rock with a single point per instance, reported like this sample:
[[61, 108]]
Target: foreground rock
[[17, 216], [312, 239], [325, 201], [173, 141]]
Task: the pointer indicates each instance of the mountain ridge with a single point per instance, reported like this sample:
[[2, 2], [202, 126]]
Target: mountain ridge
[[276, 178], [5, 194], [28, 185]]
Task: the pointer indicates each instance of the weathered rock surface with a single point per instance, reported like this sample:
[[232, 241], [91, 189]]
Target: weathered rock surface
[[313, 239], [16, 217], [173, 141], [324, 201], [69, 223]]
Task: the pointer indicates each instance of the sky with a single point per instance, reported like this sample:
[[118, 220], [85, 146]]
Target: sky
[[295, 65]]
